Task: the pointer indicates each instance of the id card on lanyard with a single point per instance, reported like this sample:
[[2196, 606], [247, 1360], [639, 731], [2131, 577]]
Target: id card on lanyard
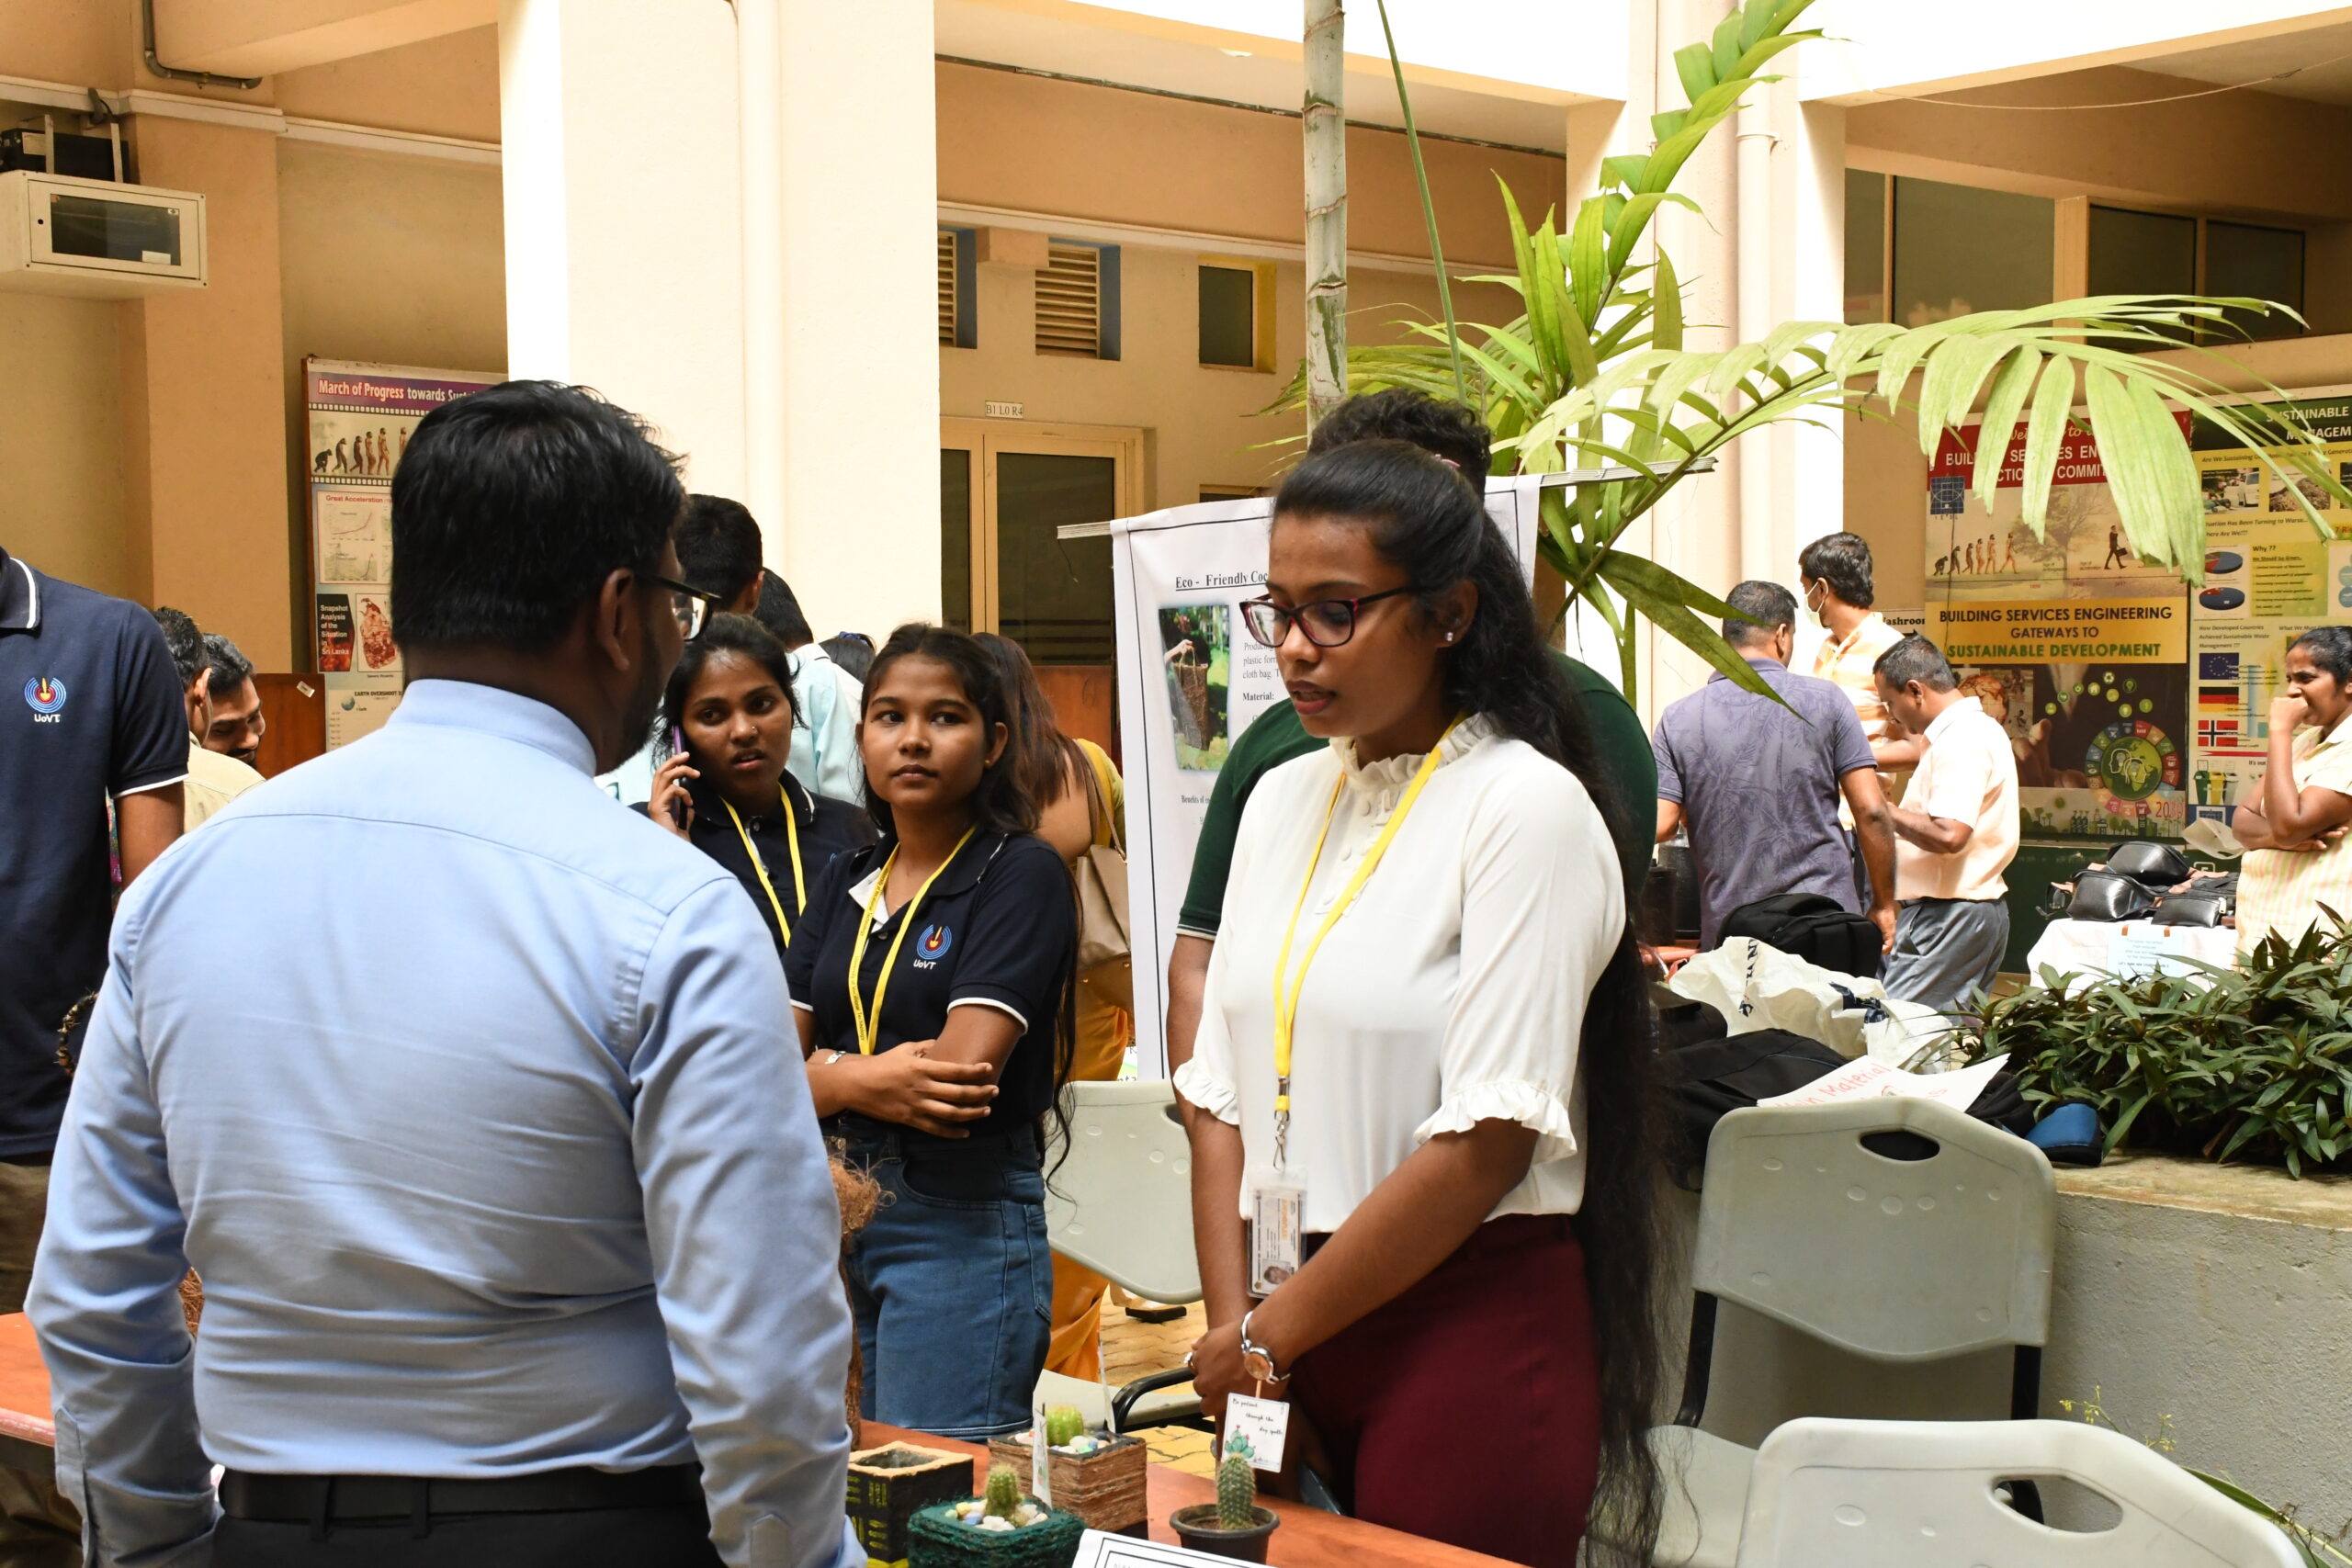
[[1278, 1194]]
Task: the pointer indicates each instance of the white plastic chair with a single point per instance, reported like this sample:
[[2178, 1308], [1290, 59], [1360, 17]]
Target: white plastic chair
[[1921, 1494], [1899, 1230], [1122, 1205]]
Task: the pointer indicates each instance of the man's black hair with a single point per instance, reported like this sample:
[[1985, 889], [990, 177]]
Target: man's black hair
[[1843, 561], [1917, 659], [186, 643], [779, 611], [513, 506], [1400, 413], [719, 546], [227, 669], [1764, 608]]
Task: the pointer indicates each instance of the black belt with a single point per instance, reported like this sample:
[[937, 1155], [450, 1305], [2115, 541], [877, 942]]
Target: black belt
[[319, 1500]]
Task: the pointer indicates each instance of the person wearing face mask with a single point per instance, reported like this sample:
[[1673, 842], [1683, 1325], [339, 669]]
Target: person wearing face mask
[[1420, 1090], [728, 792], [1834, 575], [933, 977]]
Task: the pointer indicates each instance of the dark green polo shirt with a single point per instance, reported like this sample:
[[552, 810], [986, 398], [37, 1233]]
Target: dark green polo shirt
[[1621, 746]]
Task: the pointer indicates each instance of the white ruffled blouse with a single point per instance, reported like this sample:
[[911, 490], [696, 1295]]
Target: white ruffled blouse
[[1453, 991]]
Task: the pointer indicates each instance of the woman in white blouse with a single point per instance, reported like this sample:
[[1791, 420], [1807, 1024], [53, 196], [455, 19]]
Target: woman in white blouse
[[1438, 1244]]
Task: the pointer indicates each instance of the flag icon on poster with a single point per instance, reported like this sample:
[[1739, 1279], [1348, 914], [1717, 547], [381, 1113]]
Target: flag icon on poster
[[2225, 697], [2217, 733], [2217, 666]]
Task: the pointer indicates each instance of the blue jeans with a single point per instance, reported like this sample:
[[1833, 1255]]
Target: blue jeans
[[952, 1283]]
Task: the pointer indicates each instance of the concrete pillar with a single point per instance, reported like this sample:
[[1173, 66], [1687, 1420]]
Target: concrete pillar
[[617, 129], [204, 403], [860, 357], [625, 253], [1809, 184]]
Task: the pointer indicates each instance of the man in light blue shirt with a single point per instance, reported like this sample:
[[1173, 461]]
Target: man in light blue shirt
[[499, 1166], [830, 700]]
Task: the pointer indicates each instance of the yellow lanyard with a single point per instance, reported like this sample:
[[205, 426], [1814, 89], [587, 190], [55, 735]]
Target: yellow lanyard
[[759, 867], [1286, 994], [868, 1023]]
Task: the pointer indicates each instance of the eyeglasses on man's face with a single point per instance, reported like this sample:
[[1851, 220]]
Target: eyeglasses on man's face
[[692, 607], [1327, 623]]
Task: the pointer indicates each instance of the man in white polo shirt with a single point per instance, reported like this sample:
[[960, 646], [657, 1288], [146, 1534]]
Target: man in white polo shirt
[[1956, 831]]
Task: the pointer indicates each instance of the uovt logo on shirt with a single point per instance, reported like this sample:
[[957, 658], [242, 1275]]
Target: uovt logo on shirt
[[933, 945], [45, 694]]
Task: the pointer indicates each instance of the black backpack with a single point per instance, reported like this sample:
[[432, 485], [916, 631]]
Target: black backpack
[[1707, 1075], [1811, 927]]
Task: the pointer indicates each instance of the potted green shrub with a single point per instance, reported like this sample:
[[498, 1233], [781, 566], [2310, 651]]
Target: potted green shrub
[[1236, 1524], [1098, 1476], [999, 1528]]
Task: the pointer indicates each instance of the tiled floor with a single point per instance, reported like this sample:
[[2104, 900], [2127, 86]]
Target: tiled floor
[[1132, 1348]]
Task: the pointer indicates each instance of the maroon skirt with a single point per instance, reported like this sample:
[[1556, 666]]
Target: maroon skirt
[[1468, 1409]]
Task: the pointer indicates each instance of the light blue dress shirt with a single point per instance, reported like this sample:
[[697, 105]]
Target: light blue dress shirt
[[474, 1098], [824, 735]]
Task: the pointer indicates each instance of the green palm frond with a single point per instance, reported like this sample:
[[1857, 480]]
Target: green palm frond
[[1593, 373]]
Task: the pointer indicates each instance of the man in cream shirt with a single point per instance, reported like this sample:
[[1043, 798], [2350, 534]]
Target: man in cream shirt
[[214, 778], [1956, 832]]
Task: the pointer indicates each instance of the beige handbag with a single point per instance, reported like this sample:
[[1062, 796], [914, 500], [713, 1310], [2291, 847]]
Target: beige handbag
[[1104, 959]]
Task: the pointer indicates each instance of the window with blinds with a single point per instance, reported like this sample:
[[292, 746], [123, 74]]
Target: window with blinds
[[958, 262], [1078, 300]]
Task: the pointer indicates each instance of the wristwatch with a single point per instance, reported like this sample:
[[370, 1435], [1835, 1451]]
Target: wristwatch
[[830, 1057], [1256, 1359]]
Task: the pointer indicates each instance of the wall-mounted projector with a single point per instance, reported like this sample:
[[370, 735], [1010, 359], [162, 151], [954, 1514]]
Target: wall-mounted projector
[[63, 235]]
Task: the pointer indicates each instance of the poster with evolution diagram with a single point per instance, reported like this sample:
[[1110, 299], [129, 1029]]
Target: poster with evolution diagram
[[358, 423]]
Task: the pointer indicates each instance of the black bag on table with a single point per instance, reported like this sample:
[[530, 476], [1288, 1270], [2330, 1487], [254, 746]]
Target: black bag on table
[[1808, 926], [2192, 909], [2150, 864], [2109, 896], [1707, 1075]]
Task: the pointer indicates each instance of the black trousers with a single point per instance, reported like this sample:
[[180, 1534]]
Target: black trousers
[[622, 1537]]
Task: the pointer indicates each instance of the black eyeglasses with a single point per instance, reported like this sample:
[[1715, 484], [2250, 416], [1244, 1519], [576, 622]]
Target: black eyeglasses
[[1327, 623], [692, 607]]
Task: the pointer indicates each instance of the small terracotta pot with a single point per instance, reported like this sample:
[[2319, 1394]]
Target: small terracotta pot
[[1196, 1526]]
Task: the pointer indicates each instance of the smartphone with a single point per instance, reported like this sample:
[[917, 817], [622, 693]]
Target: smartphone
[[677, 803]]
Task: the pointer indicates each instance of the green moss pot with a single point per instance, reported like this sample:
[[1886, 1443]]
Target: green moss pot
[[937, 1539]]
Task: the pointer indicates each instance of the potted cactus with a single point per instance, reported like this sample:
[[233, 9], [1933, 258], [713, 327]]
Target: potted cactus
[[999, 1528], [1098, 1476], [1236, 1524]]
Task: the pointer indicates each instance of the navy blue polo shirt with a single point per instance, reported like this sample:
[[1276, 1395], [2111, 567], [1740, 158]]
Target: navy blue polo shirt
[[999, 928], [828, 828], [89, 707]]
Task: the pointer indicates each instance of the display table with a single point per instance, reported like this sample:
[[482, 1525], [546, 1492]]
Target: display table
[[2093, 950], [1308, 1539]]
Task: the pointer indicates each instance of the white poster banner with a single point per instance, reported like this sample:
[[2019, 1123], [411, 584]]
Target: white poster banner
[[1191, 680]]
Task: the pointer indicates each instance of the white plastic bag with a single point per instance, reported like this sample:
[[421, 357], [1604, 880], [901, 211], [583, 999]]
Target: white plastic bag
[[1756, 985]]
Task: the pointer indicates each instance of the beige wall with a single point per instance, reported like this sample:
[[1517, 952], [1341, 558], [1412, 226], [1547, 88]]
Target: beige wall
[[61, 445], [392, 260], [1200, 420], [203, 384], [2254, 153], [1033, 144], [444, 86]]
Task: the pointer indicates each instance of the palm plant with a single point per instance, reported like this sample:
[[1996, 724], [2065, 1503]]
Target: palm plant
[[1594, 373]]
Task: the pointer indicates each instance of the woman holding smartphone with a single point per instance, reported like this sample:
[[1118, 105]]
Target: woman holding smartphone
[[728, 791], [931, 978], [1422, 1070]]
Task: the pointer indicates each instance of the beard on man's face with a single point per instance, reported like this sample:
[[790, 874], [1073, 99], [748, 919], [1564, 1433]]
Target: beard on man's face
[[645, 696]]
